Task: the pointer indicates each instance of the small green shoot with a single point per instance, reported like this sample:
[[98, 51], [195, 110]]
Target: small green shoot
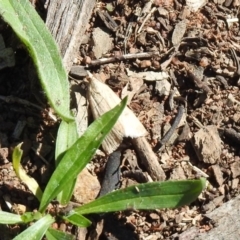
[[67, 135], [31, 216], [77, 156], [20, 172]]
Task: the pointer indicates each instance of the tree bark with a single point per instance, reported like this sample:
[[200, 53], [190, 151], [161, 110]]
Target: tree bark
[[67, 21]]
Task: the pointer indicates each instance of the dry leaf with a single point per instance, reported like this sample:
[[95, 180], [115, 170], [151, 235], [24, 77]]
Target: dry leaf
[[102, 42], [148, 76], [179, 32], [134, 84], [194, 5]]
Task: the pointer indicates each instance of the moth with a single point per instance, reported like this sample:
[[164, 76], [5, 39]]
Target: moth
[[102, 99]]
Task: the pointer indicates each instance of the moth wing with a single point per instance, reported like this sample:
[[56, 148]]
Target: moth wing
[[102, 99]]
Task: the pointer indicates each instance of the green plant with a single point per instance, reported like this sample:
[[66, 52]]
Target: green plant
[[73, 153]]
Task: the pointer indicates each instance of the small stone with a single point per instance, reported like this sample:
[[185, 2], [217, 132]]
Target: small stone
[[145, 64], [87, 60], [235, 183], [87, 187], [204, 62], [63, 227], [102, 42], [154, 216], [207, 144], [161, 10], [55, 225], [4, 155], [178, 173], [235, 168], [218, 174], [163, 87], [21, 208]]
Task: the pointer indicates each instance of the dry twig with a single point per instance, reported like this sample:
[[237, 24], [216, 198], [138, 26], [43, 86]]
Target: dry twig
[[123, 57]]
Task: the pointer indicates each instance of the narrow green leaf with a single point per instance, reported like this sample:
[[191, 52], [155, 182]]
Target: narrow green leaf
[[22, 175], [169, 194], [9, 218], [78, 220], [76, 158], [37, 230], [31, 30], [53, 234], [66, 194], [66, 137]]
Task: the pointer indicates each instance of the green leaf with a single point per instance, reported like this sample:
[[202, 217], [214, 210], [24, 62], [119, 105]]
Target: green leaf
[[66, 137], [22, 175], [53, 234], [78, 220], [65, 195], [37, 230], [169, 194], [31, 216], [9, 218], [31, 30], [76, 158]]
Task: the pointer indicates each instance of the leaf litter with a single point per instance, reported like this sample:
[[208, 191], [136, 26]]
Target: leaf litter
[[181, 42]]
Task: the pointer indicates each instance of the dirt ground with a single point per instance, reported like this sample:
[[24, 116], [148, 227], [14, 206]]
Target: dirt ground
[[178, 63]]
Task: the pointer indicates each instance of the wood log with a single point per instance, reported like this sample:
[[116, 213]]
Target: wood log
[[67, 22], [226, 222]]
